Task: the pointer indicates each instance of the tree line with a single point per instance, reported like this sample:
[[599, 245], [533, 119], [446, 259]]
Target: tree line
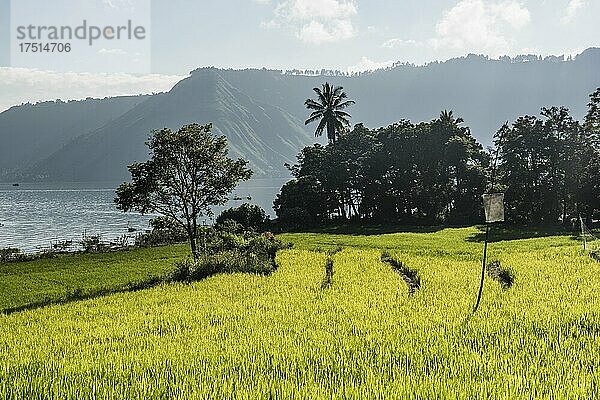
[[435, 172]]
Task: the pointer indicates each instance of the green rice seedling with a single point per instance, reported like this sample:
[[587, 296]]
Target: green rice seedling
[[247, 336]]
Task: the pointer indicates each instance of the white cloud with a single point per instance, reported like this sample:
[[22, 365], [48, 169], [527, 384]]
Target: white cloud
[[316, 32], [315, 21], [365, 64], [513, 13], [397, 42], [272, 24], [480, 27], [572, 8], [20, 85]]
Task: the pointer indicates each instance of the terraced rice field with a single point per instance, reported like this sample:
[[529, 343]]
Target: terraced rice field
[[361, 336]]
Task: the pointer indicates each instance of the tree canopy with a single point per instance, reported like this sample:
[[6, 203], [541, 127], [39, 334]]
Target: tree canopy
[[436, 172], [188, 172]]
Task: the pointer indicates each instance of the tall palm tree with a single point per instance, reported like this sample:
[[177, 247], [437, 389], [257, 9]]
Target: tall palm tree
[[327, 109]]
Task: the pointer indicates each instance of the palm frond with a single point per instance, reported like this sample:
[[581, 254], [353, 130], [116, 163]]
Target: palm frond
[[345, 104], [321, 127], [327, 110], [321, 95], [313, 118], [313, 105]]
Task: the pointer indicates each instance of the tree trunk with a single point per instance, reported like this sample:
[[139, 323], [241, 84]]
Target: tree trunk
[[343, 206], [193, 244]]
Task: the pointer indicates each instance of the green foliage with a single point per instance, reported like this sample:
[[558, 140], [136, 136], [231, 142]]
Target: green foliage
[[435, 172], [549, 167], [9, 254], [247, 217], [164, 230], [301, 203], [327, 109], [93, 244], [405, 173], [226, 252], [244, 335], [592, 118], [188, 172]]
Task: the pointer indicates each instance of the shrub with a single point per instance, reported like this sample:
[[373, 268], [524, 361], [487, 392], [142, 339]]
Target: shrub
[[10, 254], [182, 272], [247, 217], [229, 253], [93, 244], [230, 226], [164, 230]]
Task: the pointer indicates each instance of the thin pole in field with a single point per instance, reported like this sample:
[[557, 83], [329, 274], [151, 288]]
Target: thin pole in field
[[487, 224], [487, 235], [583, 233]]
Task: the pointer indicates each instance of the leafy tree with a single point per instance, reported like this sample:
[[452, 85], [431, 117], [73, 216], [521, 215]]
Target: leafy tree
[[187, 173], [328, 110], [589, 195], [592, 119], [526, 167], [248, 216], [549, 166], [301, 203], [429, 172]]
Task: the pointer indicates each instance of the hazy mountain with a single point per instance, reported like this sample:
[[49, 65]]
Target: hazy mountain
[[261, 111], [30, 133], [486, 93], [264, 134]]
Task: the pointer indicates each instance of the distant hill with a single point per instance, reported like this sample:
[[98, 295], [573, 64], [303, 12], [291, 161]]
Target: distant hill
[[261, 112], [264, 134], [30, 133]]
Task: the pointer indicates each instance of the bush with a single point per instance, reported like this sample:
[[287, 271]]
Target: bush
[[93, 244], [229, 253], [14, 255], [230, 226], [10, 254], [247, 217], [182, 271], [164, 230]]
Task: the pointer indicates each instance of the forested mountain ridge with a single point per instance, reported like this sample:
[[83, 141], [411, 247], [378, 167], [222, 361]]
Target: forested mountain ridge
[[262, 111]]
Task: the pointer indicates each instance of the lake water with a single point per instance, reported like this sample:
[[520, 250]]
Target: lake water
[[34, 216]]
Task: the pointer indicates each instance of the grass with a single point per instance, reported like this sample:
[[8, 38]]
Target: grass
[[283, 336], [68, 277]]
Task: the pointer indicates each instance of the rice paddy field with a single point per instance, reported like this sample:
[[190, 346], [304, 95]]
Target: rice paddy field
[[360, 336]]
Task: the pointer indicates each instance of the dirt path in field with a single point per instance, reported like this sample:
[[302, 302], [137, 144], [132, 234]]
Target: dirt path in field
[[410, 276]]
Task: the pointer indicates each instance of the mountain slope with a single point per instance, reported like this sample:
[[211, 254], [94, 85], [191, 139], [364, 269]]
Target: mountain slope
[[29, 133], [263, 134], [261, 112], [486, 93]]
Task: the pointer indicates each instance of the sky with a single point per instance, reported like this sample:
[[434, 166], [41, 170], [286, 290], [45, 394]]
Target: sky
[[349, 35]]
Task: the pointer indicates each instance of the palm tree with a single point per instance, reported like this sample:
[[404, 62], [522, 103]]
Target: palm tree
[[327, 108], [447, 117]]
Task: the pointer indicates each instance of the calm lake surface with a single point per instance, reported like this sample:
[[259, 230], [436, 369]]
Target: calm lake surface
[[34, 216]]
